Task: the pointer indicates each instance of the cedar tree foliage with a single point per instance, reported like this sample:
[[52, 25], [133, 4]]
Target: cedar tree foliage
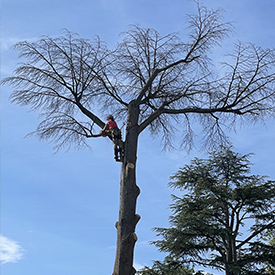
[[269, 237], [219, 221], [150, 81], [167, 267]]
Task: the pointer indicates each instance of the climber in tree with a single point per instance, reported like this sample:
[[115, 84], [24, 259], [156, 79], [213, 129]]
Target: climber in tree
[[112, 129]]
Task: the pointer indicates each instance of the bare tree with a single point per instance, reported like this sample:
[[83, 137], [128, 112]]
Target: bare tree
[[150, 81]]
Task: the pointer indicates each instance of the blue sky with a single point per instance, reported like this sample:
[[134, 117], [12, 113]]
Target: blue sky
[[58, 210]]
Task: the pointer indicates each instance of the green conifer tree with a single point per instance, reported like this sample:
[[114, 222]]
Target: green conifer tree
[[220, 218]]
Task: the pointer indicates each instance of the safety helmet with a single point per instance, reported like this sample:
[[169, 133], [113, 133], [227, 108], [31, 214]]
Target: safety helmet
[[110, 117]]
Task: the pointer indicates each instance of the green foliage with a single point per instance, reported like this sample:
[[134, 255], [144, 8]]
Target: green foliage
[[269, 237], [218, 220], [167, 267]]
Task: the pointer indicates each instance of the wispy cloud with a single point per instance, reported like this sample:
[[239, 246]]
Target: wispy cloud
[[10, 250]]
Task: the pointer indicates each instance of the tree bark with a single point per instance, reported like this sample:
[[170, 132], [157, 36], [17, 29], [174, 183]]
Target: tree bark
[[129, 191], [231, 255]]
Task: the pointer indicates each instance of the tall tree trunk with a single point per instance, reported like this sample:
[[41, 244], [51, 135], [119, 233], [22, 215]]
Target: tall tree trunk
[[231, 255], [129, 191]]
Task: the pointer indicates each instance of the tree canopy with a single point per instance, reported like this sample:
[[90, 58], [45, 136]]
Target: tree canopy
[[219, 219], [173, 82]]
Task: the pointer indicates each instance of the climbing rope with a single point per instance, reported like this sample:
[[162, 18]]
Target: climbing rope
[[127, 129]]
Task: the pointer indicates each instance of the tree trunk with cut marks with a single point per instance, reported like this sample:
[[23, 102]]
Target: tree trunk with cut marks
[[129, 191]]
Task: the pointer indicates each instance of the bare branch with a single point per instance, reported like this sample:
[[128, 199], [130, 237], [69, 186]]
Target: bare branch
[[256, 233], [169, 80]]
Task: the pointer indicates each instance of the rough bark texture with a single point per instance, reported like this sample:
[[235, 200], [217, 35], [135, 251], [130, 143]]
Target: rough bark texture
[[129, 191]]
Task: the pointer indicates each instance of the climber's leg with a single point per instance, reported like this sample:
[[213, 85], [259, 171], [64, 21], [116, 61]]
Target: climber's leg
[[116, 153]]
